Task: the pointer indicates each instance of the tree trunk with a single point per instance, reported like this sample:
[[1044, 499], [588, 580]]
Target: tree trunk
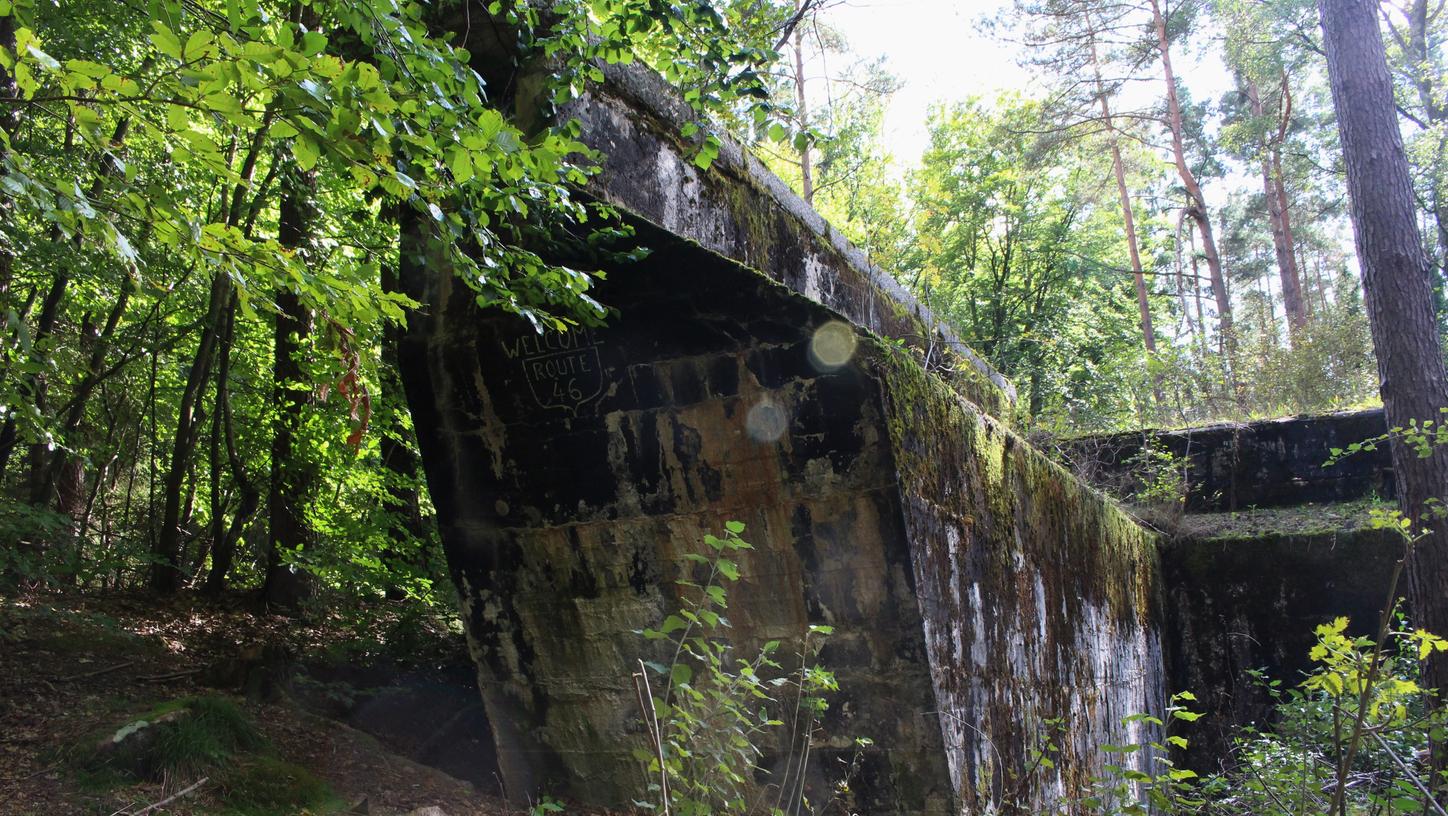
[[1196, 202], [1275, 194], [166, 572], [293, 475], [1396, 289], [1143, 303], [223, 550], [403, 501], [806, 170], [100, 343]]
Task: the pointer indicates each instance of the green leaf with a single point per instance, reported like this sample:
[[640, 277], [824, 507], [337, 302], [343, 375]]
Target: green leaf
[[461, 165], [305, 151], [165, 40], [680, 674], [197, 45], [735, 527], [313, 43]]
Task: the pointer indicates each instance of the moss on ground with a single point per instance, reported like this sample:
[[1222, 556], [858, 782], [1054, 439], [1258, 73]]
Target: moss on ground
[[180, 741], [267, 786]]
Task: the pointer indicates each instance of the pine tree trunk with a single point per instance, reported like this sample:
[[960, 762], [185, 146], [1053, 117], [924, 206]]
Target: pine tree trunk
[[1275, 194], [1143, 303], [1396, 288], [806, 170], [1196, 202]]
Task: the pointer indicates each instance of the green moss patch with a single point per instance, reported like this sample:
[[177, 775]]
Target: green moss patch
[[267, 786], [176, 740], [1304, 520]]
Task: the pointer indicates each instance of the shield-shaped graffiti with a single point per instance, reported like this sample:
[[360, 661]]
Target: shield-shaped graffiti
[[563, 370]]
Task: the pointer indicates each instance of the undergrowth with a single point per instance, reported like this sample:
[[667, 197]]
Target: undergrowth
[[181, 742]]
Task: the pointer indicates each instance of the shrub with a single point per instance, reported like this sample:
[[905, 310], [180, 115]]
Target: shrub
[[707, 712]]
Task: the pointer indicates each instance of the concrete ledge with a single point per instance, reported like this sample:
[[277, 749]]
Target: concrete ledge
[[1271, 463]]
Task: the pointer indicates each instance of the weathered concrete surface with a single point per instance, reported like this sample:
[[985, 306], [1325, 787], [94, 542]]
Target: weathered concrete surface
[[1038, 596], [742, 211], [1272, 463], [1246, 588], [976, 588], [1242, 602]]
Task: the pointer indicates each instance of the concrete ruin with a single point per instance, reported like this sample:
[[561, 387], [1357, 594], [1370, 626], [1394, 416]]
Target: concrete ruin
[[759, 369], [1276, 540]]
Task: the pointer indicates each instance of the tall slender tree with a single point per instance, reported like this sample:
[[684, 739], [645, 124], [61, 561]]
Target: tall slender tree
[[1396, 286], [1196, 208], [293, 475]]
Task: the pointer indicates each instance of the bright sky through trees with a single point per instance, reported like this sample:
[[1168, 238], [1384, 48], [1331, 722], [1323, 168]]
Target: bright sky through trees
[[940, 52]]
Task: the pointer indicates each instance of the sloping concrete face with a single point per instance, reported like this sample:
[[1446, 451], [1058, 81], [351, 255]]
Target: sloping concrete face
[[572, 472], [1039, 597], [975, 589]]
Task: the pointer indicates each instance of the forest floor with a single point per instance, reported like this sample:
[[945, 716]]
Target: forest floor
[[73, 669]]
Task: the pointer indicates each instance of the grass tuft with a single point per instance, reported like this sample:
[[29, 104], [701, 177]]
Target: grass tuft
[[209, 732], [182, 739]]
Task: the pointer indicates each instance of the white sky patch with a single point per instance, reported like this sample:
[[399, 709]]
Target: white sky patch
[[939, 52], [935, 48]]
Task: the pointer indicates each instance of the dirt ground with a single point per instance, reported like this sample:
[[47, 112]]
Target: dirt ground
[[72, 667]]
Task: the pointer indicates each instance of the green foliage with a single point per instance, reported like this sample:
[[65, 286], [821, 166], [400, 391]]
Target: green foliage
[[181, 740], [1305, 757], [710, 713], [1161, 487], [1299, 764], [1017, 247], [1152, 784], [144, 165], [267, 786]]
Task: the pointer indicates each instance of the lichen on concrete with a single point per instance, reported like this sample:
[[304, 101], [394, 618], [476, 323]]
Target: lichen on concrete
[[1039, 596], [977, 590]]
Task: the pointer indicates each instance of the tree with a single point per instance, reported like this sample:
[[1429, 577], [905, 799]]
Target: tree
[[1415, 57], [1018, 246], [1068, 38], [155, 267], [1397, 288], [1196, 208]]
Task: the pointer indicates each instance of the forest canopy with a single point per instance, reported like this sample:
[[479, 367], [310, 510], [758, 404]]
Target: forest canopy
[[203, 204]]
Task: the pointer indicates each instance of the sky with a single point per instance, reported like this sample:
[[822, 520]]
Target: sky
[[936, 47]]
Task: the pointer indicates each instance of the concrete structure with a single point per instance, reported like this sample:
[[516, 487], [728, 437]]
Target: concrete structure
[[977, 590]]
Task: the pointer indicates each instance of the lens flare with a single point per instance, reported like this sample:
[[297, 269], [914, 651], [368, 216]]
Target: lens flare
[[832, 346], [765, 422]]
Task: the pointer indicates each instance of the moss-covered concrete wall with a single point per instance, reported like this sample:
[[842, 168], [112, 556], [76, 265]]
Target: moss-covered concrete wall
[[1249, 599], [1238, 466], [1039, 597], [976, 590]]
